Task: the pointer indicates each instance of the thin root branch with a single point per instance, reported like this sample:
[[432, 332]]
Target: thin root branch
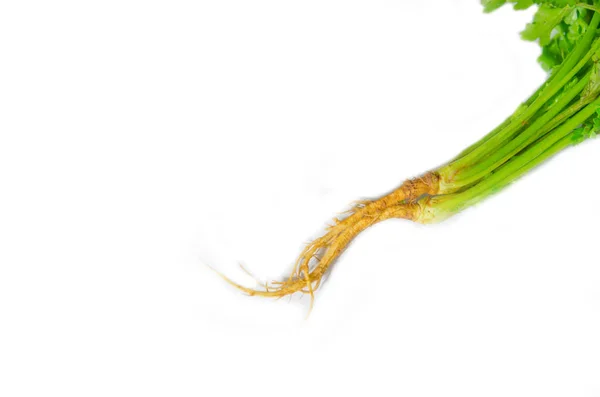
[[319, 255]]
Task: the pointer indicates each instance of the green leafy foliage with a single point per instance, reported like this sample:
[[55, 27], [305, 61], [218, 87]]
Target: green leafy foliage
[[544, 22], [557, 26], [491, 5], [559, 3], [557, 31]]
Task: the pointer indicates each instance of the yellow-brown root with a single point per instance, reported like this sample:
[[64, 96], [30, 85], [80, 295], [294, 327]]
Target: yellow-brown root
[[318, 256]]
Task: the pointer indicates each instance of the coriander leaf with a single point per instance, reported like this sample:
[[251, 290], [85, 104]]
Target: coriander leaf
[[563, 38], [544, 21], [491, 5]]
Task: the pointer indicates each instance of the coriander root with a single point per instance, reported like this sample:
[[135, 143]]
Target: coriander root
[[318, 256]]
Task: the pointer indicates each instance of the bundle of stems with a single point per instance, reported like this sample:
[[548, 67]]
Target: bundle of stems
[[563, 112]]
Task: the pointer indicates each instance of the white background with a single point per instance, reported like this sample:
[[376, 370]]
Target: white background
[[142, 140]]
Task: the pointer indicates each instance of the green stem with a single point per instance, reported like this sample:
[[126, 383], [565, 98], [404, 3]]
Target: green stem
[[563, 76], [558, 73], [588, 6], [558, 120], [446, 205], [472, 174]]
